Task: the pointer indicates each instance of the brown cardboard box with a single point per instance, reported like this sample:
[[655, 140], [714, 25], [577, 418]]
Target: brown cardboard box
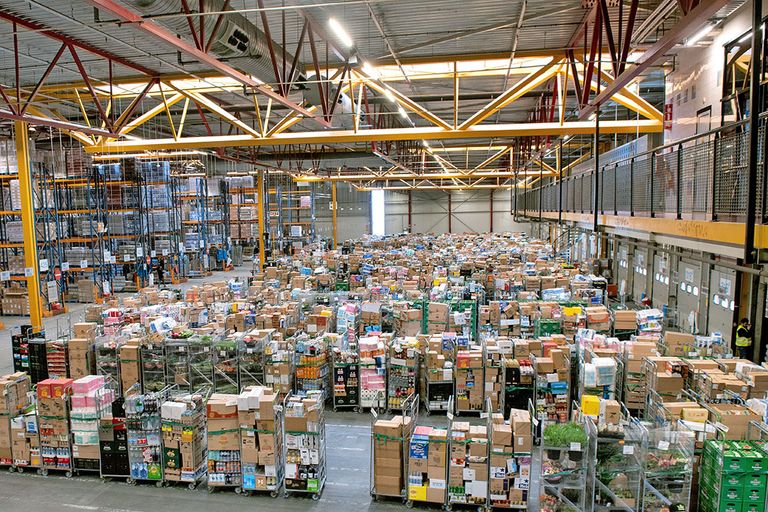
[[610, 412], [502, 435], [523, 443]]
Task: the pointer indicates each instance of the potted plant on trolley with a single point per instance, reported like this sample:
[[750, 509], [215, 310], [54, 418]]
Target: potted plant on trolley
[[565, 435]]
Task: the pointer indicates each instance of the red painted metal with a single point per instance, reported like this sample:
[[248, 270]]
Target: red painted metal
[[42, 79], [43, 30], [216, 27], [628, 37], [169, 38], [609, 35], [126, 115], [271, 46], [91, 90], [192, 29], [316, 62], [294, 64], [54, 123]]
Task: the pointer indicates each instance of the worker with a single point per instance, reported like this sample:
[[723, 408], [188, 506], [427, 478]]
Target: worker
[[161, 270], [744, 339]]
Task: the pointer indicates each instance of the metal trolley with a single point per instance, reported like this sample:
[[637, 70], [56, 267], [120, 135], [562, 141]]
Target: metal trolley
[[381, 441], [305, 455], [144, 426], [259, 478], [470, 454], [190, 428], [31, 430], [346, 383], [55, 446]]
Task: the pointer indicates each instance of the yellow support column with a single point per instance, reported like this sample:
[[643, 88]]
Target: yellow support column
[[333, 210], [262, 195], [28, 225]]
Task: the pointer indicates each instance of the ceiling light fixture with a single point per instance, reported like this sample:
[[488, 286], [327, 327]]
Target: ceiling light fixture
[[698, 36], [402, 111], [341, 33]]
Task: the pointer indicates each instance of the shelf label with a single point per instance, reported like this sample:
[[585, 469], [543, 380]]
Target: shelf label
[[664, 445], [575, 447], [153, 254], [5, 276], [83, 263], [628, 449], [107, 289], [107, 255], [29, 272], [53, 291], [139, 252], [202, 243], [113, 259], [165, 252], [43, 265], [65, 266]]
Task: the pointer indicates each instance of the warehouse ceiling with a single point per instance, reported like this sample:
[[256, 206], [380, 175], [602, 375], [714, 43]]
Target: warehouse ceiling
[[451, 93]]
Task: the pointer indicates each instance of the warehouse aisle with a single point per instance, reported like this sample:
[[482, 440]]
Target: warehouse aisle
[[347, 487], [76, 312]]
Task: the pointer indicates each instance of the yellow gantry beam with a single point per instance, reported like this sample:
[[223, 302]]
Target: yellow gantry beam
[[21, 130], [364, 136]]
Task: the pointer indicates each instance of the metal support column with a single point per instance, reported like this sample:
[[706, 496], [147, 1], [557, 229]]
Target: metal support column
[[21, 130], [410, 211], [333, 212], [755, 74], [449, 211], [560, 182], [490, 204], [596, 178], [262, 203]]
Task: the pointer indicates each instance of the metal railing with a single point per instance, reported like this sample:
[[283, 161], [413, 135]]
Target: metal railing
[[703, 177]]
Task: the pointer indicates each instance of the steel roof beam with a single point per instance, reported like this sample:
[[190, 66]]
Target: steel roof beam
[[168, 37], [484, 131]]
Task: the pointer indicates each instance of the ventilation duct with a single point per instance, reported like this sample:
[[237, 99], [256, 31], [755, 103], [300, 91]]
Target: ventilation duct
[[238, 40]]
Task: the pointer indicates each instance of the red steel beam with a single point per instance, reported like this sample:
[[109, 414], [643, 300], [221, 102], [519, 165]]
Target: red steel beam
[[42, 79], [168, 37], [91, 90], [687, 26], [52, 34], [192, 29], [216, 27]]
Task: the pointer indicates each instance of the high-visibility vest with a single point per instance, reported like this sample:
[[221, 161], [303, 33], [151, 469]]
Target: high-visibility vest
[[742, 338]]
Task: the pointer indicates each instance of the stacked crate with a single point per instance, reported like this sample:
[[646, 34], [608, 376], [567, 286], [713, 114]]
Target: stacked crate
[[733, 477]]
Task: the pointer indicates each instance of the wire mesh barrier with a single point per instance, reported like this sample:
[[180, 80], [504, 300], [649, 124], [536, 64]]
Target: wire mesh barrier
[[704, 177]]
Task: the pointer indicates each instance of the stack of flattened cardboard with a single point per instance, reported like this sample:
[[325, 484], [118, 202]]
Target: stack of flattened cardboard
[[390, 437]]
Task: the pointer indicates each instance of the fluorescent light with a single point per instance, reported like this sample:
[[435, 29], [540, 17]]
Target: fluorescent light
[[389, 95], [402, 111], [371, 71], [341, 33], [698, 36], [592, 116], [634, 57], [566, 138]]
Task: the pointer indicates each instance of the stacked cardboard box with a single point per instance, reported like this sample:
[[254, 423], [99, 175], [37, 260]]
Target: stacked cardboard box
[[469, 380], [625, 320], [260, 439], [26, 440], [224, 466], [53, 412], [80, 346], [468, 467], [733, 477], [679, 344], [598, 318], [734, 419], [389, 439], [14, 399], [305, 467], [87, 291], [510, 459], [130, 364], [635, 383], [15, 301], [437, 317], [184, 438], [427, 458], [664, 375], [370, 316], [407, 321]]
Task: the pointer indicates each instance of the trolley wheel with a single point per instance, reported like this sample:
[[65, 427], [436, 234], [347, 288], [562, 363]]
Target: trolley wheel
[[315, 496], [68, 474], [273, 494], [210, 490], [448, 507], [238, 490], [159, 484], [20, 469], [11, 469], [335, 409], [429, 411], [43, 472], [409, 504], [130, 481], [192, 486], [359, 409]]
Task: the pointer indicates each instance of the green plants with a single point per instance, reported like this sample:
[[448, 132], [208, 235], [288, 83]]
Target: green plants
[[565, 435]]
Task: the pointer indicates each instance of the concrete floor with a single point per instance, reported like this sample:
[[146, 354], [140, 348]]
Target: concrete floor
[[347, 485]]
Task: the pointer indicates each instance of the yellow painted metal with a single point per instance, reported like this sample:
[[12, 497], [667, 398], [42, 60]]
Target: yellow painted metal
[[412, 176], [333, 209], [28, 224], [151, 113], [218, 110], [409, 104], [494, 157], [349, 136], [262, 196], [527, 84]]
